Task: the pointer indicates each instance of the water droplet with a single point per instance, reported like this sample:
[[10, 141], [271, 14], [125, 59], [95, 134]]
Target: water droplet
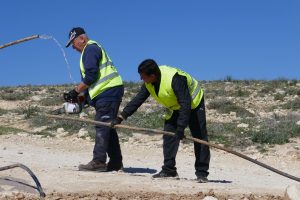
[[48, 37]]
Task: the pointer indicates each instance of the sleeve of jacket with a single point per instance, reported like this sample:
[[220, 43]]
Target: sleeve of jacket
[[181, 90], [136, 102], [91, 58]]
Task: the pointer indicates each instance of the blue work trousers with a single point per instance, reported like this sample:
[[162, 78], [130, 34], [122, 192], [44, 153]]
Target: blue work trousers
[[107, 140]]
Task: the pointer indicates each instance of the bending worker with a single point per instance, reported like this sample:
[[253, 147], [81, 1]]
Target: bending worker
[[104, 90], [183, 97]]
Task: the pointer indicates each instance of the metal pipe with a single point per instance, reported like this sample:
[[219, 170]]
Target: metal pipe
[[188, 138], [19, 41]]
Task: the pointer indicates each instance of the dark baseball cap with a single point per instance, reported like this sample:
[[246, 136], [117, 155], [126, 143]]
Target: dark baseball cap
[[74, 33]]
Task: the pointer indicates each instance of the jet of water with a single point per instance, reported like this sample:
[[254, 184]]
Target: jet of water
[[47, 37]]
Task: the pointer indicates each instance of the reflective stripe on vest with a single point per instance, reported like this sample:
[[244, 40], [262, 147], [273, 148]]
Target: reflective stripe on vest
[[166, 95], [107, 75], [196, 91]]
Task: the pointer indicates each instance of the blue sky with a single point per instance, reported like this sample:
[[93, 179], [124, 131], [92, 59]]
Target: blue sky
[[212, 39]]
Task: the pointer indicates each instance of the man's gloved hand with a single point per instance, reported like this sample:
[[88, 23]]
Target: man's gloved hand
[[71, 96], [116, 121], [179, 134]]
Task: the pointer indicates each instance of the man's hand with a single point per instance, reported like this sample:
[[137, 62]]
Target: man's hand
[[116, 121], [179, 134], [71, 96]]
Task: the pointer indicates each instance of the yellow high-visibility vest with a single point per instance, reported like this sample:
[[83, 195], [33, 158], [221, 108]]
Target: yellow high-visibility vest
[[166, 95], [108, 76]]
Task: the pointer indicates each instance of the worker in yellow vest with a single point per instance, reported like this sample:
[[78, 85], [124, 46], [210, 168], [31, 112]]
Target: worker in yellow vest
[[103, 88], [183, 97]]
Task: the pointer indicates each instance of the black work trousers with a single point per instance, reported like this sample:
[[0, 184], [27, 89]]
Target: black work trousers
[[107, 140], [197, 125]]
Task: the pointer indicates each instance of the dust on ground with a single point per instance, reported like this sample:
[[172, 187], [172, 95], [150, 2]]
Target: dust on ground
[[54, 161]]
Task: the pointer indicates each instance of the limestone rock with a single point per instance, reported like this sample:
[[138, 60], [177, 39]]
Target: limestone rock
[[210, 198], [82, 133], [292, 192], [242, 125]]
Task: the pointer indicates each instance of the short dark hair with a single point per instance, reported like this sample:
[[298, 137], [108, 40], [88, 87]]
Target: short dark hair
[[149, 67]]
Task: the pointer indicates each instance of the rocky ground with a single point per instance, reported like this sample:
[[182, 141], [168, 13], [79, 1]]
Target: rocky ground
[[55, 161], [54, 157]]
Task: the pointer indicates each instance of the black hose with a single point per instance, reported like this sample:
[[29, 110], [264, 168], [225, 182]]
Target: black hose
[[38, 185], [189, 138]]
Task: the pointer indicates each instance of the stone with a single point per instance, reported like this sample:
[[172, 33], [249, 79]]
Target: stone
[[40, 129], [83, 115], [232, 114], [292, 192], [242, 125], [23, 134], [60, 130], [280, 91], [82, 133], [35, 98], [61, 133], [210, 198]]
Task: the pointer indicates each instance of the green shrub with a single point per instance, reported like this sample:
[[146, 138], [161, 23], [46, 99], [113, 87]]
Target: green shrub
[[293, 82], [2, 111], [228, 134], [219, 133], [279, 97], [68, 125], [32, 88], [269, 137], [9, 130], [266, 90], [52, 101], [292, 104], [228, 79], [240, 93], [14, 96], [153, 120], [278, 83], [226, 106], [29, 111], [293, 91], [213, 93], [277, 131]]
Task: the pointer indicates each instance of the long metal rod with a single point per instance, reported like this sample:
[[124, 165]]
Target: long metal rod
[[188, 138], [19, 41], [38, 185]]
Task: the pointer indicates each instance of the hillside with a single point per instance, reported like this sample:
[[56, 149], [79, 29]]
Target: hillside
[[260, 119]]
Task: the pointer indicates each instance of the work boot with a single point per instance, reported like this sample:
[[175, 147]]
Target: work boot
[[202, 179], [163, 174], [93, 166], [114, 166]]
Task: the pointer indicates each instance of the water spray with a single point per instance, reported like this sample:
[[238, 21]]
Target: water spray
[[47, 37]]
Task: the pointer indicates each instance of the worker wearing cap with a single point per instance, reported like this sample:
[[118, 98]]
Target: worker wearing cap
[[183, 97], [104, 90]]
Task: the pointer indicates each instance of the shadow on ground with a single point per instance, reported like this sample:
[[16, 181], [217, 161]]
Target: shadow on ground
[[10, 184], [138, 170], [219, 181]]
